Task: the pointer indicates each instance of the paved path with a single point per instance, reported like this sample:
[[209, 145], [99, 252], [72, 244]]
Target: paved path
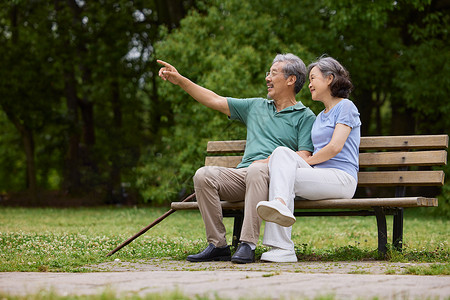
[[253, 281]]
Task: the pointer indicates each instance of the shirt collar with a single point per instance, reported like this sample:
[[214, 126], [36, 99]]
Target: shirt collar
[[298, 106]]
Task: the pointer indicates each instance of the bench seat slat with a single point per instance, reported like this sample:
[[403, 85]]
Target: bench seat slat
[[330, 203], [401, 178], [367, 203], [407, 142], [232, 146], [223, 161], [439, 141], [395, 159], [376, 178], [375, 159]]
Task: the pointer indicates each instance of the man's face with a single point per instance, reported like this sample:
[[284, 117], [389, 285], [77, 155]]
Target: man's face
[[276, 83]]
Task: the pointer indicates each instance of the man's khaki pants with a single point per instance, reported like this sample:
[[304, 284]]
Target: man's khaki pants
[[213, 184]]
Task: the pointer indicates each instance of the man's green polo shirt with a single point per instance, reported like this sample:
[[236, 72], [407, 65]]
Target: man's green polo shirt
[[268, 129]]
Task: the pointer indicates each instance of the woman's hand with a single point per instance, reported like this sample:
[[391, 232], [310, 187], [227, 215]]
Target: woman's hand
[[304, 154]]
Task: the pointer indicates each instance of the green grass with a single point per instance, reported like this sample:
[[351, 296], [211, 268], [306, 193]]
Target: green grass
[[434, 269], [46, 239], [110, 295]]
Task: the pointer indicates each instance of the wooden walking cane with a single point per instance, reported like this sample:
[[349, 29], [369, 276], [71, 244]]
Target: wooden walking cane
[[145, 229]]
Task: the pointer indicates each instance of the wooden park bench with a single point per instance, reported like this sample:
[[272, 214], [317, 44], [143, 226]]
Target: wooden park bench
[[388, 164]]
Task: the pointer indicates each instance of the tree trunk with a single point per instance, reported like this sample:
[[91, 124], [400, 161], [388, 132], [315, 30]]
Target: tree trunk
[[402, 120], [87, 113], [82, 131], [28, 146], [365, 107], [170, 12], [26, 133], [72, 177], [114, 185]]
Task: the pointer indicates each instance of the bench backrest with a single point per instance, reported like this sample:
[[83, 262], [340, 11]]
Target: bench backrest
[[383, 160]]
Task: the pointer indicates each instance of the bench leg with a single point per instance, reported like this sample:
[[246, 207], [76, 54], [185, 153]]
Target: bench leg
[[397, 238], [382, 230], [238, 220]]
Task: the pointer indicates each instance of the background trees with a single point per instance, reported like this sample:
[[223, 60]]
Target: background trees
[[72, 72], [83, 111]]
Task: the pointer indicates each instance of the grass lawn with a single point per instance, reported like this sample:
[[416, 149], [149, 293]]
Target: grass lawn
[[48, 239]]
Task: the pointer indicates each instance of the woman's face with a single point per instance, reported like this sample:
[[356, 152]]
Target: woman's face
[[319, 86]]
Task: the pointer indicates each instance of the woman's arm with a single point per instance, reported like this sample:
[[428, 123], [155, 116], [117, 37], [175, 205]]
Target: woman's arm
[[340, 135]]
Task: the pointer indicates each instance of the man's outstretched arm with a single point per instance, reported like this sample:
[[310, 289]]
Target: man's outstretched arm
[[199, 93]]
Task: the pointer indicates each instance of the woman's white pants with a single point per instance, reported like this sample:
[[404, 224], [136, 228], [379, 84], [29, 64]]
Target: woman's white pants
[[291, 176]]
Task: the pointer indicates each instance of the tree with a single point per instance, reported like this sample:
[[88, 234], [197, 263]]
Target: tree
[[24, 88], [108, 57], [73, 71], [79, 90], [226, 46]]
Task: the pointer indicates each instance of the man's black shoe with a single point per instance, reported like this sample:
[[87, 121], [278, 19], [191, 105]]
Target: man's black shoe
[[211, 253], [243, 255]]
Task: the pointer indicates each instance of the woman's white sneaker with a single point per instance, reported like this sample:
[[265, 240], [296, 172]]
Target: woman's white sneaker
[[276, 212], [279, 255]]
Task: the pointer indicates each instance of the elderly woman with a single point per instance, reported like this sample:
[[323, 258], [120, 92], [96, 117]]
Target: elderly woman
[[331, 172]]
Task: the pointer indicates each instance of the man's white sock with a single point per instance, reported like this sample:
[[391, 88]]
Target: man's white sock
[[252, 246]]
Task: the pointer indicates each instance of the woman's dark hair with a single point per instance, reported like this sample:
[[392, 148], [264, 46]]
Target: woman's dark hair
[[341, 86]]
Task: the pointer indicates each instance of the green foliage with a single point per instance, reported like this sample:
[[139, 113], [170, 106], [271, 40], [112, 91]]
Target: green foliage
[[11, 158], [420, 79], [79, 83], [390, 49], [226, 50], [444, 197], [69, 85]]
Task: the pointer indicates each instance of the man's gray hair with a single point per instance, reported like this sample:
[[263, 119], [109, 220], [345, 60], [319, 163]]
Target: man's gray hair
[[294, 66]]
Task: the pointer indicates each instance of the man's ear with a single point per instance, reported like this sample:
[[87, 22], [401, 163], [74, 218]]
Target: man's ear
[[291, 80]]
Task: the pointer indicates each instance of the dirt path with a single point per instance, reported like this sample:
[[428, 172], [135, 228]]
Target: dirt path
[[371, 267]]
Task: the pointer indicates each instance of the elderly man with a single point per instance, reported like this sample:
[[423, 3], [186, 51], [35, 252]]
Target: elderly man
[[281, 121]]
